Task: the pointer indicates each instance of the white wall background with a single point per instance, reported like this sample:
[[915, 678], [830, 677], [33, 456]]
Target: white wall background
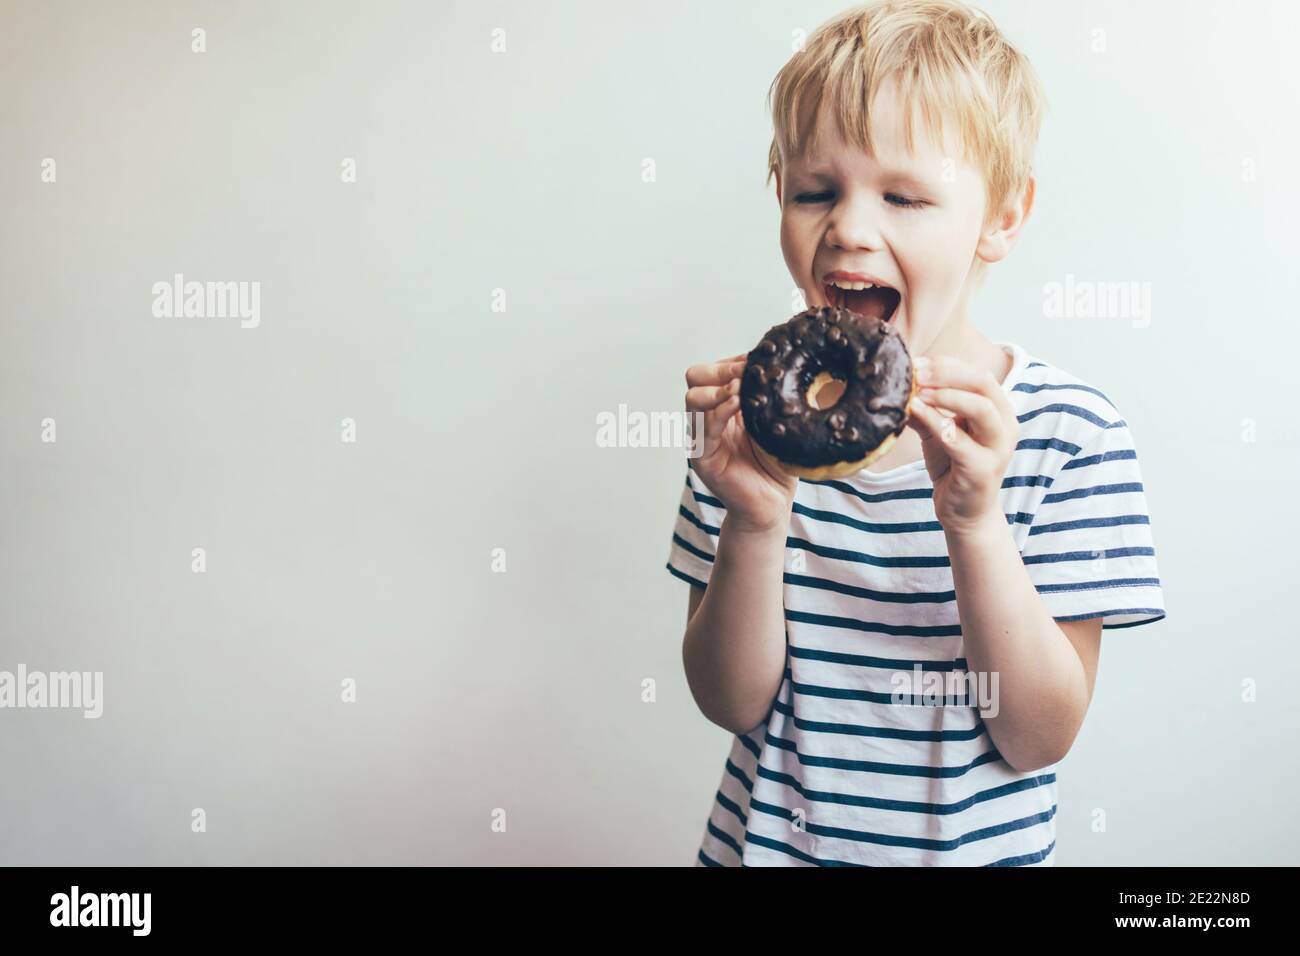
[[475, 429]]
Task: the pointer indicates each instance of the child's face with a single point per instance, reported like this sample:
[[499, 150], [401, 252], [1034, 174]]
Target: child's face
[[845, 210]]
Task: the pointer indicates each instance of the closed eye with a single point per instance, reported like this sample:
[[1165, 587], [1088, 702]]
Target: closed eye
[[902, 202]]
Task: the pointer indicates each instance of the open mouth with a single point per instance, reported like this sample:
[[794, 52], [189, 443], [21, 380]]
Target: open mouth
[[877, 301]]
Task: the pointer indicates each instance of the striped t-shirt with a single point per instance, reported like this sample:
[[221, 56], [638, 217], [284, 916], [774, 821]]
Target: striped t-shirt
[[843, 771]]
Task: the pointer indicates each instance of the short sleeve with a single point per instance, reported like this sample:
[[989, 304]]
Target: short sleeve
[[695, 532], [1090, 551]]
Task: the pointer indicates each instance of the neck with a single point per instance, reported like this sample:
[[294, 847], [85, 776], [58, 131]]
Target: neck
[[959, 338]]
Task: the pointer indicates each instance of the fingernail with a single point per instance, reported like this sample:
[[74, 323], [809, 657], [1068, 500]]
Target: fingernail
[[922, 365]]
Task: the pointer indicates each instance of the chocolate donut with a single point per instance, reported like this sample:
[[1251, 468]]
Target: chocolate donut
[[795, 359]]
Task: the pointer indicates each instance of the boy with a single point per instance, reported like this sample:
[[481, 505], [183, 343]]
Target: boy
[[985, 550]]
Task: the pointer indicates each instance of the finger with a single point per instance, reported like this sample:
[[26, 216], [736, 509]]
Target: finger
[[945, 371], [978, 411], [715, 373], [715, 422], [702, 398], [959, 445]]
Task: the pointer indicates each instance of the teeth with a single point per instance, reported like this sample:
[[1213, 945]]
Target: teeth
[[851, 286]]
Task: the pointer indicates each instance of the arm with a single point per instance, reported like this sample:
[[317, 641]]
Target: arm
[[1046, 671], [734, 647]]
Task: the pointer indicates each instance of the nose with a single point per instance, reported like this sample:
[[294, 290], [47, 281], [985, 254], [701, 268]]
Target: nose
[[851, 227]]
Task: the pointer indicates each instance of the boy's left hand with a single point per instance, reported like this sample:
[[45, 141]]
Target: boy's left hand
[[966, 455]]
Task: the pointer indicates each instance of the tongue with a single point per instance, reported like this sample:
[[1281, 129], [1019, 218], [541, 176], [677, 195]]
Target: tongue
[[874, 303]]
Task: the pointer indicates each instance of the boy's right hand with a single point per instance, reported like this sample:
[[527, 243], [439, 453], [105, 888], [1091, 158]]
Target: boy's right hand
[[746, 479]]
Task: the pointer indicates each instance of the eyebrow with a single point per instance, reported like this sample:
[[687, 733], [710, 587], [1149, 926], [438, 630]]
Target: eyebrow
[[899, 177], [908, 180]]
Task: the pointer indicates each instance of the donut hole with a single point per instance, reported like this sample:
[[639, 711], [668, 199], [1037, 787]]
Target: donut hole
[[825, 391]]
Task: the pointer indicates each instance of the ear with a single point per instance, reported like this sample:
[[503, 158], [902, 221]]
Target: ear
[[1000, 235]]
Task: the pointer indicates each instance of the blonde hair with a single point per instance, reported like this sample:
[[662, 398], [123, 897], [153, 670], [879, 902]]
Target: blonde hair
[[950, 60]]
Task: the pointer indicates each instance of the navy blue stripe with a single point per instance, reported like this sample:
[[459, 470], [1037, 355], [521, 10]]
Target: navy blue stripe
[[919, 597], [1048, 444], [1026, 859], [707, 499], [1065, 408], [740, 775], [1109, 522], [1094, 585], [912, 493], [903, 527], [730, 806], [707, 529], [686, 577], [1022, 481], [1134, 552], [948, 597], [842, 554], [918, 843], [787, 849], [690, 548], [858, 730], [1122, 488], [724, 838], [832, 517], [1159, 615], [1118, 455], [706, 859], [908, 806], [878, 696], [894, 630], [1024, 444], [878, 766], [710, 529], [872, 497], [889, 597], [865, 660], [1026, 387]]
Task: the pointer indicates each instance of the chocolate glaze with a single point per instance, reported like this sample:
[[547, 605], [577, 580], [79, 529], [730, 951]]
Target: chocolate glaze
[[864, 352]]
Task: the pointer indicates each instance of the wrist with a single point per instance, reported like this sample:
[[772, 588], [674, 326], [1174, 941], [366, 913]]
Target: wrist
[[737, 527], [984, 527]]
